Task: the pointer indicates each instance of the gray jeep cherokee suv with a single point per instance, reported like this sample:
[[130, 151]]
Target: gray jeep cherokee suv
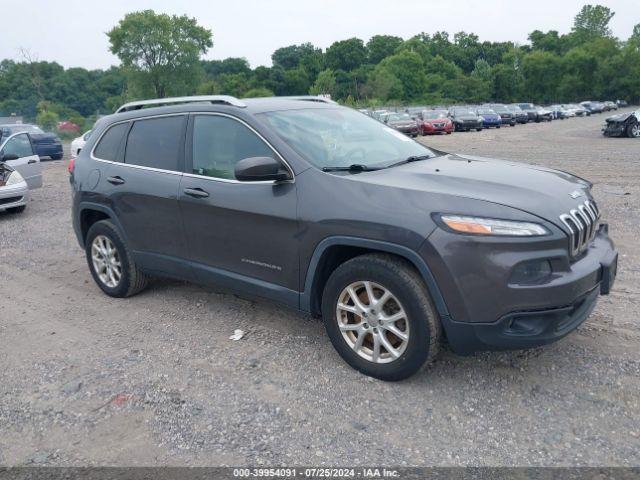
[[328, 211]]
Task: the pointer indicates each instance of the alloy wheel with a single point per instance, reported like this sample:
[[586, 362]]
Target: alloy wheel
[[372, 322], [635, 130], [106, 261]]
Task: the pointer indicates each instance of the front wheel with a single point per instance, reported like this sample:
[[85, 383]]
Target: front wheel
[[478, 129], [56, 157], [633, 131], [111, 262], [18, 209], [379, 317]]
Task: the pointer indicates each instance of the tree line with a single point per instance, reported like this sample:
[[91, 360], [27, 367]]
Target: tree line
[[161, 55]]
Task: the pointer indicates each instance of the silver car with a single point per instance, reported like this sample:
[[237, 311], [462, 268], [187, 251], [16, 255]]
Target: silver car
[[20, 172]]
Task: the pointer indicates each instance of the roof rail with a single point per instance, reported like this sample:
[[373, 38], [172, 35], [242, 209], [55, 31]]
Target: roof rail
[[156, 102], [313, 98]]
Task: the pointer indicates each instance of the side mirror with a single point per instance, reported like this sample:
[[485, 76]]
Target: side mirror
[[260, 169], [5, 157]]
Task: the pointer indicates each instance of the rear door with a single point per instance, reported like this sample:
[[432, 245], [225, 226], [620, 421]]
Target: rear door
[[142, 189], [27, 163], [238, 232]]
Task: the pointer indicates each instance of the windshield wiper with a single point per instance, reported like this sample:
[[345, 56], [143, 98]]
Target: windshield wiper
[[412, 158], [356, 167]]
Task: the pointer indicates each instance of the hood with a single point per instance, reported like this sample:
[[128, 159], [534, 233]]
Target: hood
[[436, 120], [541, 191], [466, 117], [401, 123], [44, 138], [621, 117], [490, 116]]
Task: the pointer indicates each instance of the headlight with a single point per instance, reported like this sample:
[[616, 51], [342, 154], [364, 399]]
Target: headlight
[[493, 226], [14, 178]]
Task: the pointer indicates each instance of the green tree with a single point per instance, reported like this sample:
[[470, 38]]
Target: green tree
[[346, 54], [325, 84], [384, 85], [592, 21], [382, 46], [258, 92], [409, 69], [159, 51]]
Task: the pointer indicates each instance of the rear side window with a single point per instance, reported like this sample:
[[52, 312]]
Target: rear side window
[[220, 142], [19, 146], [109, 144], [156, 142]]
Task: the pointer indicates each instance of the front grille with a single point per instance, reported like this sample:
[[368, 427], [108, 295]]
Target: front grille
[[438, 125], [8, 200], [582, 222]]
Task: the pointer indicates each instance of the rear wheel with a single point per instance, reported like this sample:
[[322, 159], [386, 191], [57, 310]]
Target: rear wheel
[[111, 263], [379, 317], [478, 129], [56, 157], [633, 131]]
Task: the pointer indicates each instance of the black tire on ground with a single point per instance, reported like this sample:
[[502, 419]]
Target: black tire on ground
[[498, 126], [478, 129], [56, 157], [631, 128], [133, 280], [19, 209], [401, 279]]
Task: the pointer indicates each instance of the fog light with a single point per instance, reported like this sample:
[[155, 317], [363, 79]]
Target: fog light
[[532, 271]]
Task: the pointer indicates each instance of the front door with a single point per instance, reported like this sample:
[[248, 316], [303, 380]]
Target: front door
[[27, 162], [239, 233]]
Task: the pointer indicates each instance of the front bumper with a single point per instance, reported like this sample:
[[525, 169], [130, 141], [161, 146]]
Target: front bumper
[[613, 129], [14, 196], [431, 128], [488, 312]]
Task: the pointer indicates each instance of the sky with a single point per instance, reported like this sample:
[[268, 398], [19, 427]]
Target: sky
[[72, 32]]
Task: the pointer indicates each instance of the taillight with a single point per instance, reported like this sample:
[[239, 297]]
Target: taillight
[[71, 165]]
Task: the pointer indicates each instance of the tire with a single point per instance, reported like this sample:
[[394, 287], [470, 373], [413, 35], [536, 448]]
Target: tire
[[56, 157], [132, 280], [498, 126], [633, 130], [407, 292], [478, 129], [448, 133], [18, 209]]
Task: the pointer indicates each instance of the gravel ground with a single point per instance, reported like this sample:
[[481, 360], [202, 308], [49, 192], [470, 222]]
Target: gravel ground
[[155, 380]]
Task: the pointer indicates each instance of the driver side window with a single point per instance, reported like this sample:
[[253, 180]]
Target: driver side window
[[20, 145], [220, 142]]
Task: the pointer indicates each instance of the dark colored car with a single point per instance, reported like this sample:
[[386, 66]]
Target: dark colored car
[[624, 124], [593, 107], [521, 115], [465, 119], [435, 121], [490, 119], [530, 110], [327, 211], [46, 144], [402, 122], [507, 116]]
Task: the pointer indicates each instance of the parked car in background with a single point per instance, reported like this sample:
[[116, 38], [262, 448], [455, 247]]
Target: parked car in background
[[465, 119], [402, 122], [543, 114], [593, 107], [621, 103], [520, 115], [79, 142], [507, 116], [609, 105], [623, 124], [490, 119], [20, 171], [577, 110], [559, 112], [46, 144], [435, 121], [531, 111]]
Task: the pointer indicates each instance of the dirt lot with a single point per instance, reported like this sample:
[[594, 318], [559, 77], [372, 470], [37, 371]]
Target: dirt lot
[[155, 380]]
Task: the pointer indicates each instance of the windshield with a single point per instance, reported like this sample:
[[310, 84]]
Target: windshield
[[399, 117], [499, 108], [463, 111], [486, 111], [428, 115], [332, 137]]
